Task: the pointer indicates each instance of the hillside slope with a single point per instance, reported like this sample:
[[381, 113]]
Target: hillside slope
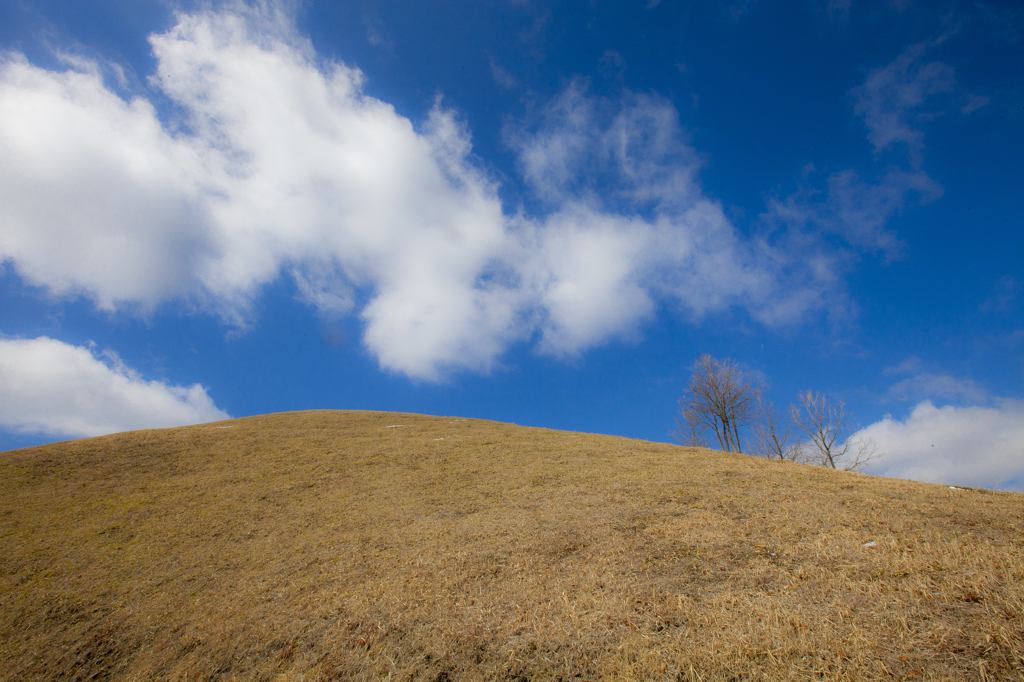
[[365, 545]]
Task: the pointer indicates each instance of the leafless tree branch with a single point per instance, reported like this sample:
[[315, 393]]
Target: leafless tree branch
[[690, 430], [772, 438]]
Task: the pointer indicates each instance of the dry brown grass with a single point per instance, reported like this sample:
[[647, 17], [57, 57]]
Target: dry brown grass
[[325, 545]]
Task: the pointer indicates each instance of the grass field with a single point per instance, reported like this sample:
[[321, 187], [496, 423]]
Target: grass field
[[379, 546]]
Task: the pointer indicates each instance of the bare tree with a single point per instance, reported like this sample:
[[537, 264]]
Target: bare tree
[[830, 429], [772, 438], [690, 430], [720, 397]]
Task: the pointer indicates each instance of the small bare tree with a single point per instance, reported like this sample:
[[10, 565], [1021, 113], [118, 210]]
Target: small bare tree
[[772, 438], [690, 429], [720, 397], [830, 429]]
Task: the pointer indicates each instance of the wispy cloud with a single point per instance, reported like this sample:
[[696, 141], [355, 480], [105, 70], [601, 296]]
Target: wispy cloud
[[623, 167], [537, 29], [974, 102], [625, 154], [921, 383], [934, 385], [1006, 297], [625, 221], [739, 9], [838, 8], [854, 211], [849, 211], [613, 65], [51, 387], [377, 33], [503, 78], [911, 365], [891, 98]]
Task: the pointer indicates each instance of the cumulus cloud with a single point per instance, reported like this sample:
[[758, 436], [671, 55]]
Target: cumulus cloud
[[275, 165], [47, 386], [270, 160], [588, 270], [97, 197], [974, 446]]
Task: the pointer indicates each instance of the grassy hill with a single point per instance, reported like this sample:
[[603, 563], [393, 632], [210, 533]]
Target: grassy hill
[[379, 546]]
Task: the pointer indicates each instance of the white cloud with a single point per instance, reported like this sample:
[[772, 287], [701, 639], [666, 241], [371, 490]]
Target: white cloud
[[973, 446], [96, 196], [274, 161], [588, 268], [47, 386], [275, 166]]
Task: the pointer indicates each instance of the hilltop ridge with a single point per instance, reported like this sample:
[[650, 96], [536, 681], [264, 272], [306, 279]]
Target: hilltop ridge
[[372, 545]]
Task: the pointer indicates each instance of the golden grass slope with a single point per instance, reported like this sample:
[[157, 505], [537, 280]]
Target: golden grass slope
[[379, 546]]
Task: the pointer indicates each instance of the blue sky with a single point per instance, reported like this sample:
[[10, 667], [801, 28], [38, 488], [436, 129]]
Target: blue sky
[[531, 212]]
